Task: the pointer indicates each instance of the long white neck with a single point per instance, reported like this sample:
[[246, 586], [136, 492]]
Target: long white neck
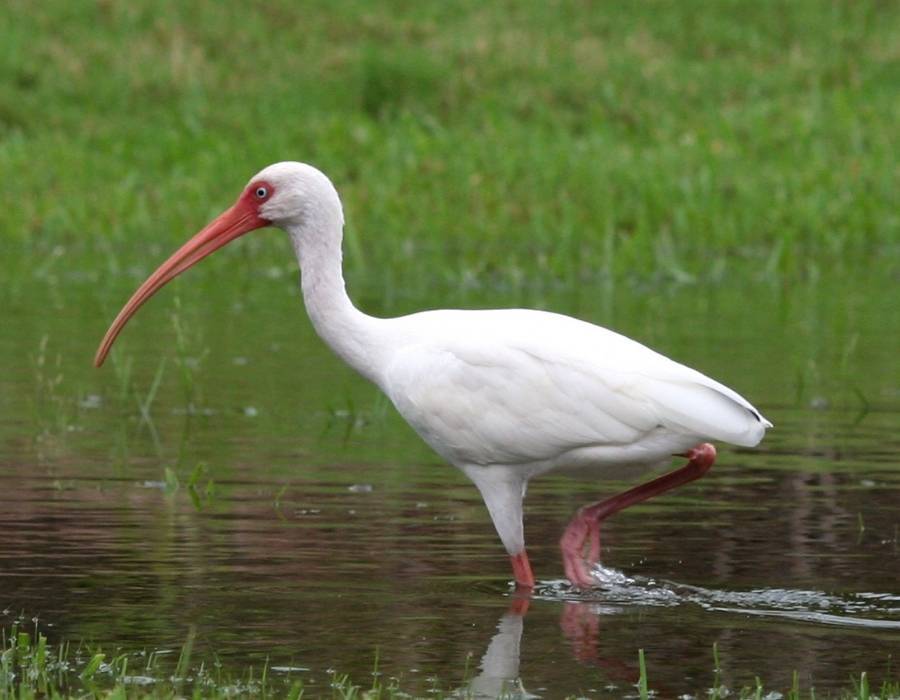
[[355, 337]]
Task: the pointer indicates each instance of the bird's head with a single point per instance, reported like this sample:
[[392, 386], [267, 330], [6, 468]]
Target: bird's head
[[292, 194], [288, 195]]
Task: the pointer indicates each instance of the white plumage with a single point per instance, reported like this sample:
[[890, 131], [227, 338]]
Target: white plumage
[[518, 386], [502, 394]]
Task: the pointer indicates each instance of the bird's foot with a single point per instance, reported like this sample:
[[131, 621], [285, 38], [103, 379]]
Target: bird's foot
[[580, 545]]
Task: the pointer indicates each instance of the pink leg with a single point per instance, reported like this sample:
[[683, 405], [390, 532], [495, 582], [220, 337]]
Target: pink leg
[[584, 529], [522, 570]]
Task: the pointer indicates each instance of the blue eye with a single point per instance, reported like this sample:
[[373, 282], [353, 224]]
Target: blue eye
[[262, 192]]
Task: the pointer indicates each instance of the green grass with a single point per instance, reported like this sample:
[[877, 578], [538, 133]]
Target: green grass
[[508, 144], [30, 667]]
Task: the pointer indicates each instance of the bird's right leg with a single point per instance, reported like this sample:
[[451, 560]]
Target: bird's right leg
[[503, 489], [580, 543], [522, 569]]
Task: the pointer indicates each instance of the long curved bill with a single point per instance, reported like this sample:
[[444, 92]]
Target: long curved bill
[[236, 221]]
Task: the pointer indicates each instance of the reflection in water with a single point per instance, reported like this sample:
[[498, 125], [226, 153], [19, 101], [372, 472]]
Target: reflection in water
[[580, 623], [499, 667], [582, 611], [127, 560], [267, 573]]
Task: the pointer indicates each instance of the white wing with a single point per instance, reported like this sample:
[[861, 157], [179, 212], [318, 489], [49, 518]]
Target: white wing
[[520, 386]]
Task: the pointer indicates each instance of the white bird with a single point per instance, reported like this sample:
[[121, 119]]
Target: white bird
[[504, 395]]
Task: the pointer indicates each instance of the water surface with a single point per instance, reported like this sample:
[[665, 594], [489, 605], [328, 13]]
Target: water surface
[[267, 498]]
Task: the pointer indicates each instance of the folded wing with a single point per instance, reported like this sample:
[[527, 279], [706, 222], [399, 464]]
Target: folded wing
[[519, 386]]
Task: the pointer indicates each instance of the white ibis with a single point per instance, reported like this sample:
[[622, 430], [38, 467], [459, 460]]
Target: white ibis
[[505, 394]]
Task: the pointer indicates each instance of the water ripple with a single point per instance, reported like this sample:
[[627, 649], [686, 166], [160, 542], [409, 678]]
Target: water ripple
[[614, 588]]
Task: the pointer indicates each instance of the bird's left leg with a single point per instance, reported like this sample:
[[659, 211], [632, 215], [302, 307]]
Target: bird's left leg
[[583, 532]]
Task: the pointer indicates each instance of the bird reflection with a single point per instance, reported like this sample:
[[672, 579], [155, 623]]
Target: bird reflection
[[499, 666], [580, 624]]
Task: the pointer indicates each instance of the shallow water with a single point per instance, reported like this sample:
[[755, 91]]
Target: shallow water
[[318, 533]]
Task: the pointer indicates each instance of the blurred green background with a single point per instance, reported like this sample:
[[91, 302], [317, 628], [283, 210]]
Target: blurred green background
[[506, 144]]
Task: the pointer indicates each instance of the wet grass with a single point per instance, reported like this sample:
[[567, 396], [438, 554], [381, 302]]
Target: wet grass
[[31, 667], [53, 408]]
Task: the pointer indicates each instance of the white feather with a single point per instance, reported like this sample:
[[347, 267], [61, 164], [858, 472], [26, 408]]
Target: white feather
[[523, 387]]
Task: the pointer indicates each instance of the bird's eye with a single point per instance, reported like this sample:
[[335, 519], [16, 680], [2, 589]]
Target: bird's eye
[[262, 192]]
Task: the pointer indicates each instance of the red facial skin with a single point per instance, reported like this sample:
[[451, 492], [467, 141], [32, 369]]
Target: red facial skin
[[241, 218]]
